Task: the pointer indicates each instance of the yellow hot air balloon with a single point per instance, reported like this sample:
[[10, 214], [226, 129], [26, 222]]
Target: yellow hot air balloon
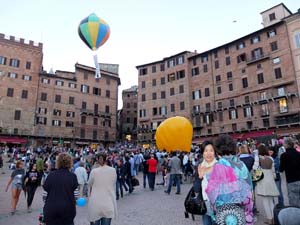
[[174, 134]]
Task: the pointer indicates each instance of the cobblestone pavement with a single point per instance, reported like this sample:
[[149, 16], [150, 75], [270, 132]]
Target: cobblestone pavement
[[142, 207]]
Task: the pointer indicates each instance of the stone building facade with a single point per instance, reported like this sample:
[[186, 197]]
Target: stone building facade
[[70, 108], [76, 108], [247, 88], [128, 117], [20, 65]]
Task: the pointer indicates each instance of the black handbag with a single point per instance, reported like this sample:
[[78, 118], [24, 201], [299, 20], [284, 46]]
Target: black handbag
[[194, 204], [135, 182]]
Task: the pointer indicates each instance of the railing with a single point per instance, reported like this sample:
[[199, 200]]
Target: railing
[[287, 120], [95, 113], [264, 113], [257, 58]]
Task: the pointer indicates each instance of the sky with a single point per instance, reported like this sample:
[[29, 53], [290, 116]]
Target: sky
[[142, 31]]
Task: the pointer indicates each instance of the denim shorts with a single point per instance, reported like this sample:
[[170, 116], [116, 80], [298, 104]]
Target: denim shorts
[[17, 186]]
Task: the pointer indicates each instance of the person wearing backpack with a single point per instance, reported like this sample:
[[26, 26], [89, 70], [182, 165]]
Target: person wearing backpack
[[204, 170], [229, 186]]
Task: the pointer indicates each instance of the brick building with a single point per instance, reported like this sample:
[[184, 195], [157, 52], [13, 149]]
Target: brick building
[[128, 118], [75, 108], [248, 87], [20, 65], [55, 108], [164, 92]]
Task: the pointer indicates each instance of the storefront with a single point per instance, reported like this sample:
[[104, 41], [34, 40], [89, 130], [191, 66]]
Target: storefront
[[12, 141]]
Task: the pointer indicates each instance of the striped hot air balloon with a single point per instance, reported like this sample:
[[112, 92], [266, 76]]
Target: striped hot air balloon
[[94, 32]]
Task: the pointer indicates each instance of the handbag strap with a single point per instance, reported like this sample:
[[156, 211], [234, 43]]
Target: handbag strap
[[200, 196]]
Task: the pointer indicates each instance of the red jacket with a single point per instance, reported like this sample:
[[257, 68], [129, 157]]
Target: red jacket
[[152, 165]]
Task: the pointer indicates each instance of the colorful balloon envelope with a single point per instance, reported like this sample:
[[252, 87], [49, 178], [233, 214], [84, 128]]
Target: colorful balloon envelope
[[93, 31], [174, 134]]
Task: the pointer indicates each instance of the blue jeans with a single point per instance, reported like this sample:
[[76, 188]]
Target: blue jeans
[[176, 178], [206, 219], [280, 197], [102, 221], [145, 177], [129, 183], [293, 193], [151, 180], [119, 188]]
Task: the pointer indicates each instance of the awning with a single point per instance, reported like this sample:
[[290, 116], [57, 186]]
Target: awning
[[200, 140], [288, 131], [255, 134], [237, 136], [81, 143], [13, 140]]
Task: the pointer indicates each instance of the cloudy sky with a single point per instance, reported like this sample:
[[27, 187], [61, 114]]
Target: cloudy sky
[[142, 31]]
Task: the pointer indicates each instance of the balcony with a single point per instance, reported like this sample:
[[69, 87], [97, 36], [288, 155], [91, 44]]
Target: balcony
[[90, 112], [197, 125], [86, 112], [258, 58], [195, 112], [264, 113], [287, 120]]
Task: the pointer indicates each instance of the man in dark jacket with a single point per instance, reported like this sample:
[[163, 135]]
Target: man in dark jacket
[[121, 171], [145, 171], [290, 164], [128, 176]]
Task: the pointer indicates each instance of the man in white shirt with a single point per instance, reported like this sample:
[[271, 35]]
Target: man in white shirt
[[82, 176]]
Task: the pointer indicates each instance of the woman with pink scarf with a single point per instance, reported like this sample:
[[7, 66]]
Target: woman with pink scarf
[[204, 170], [230, 185]]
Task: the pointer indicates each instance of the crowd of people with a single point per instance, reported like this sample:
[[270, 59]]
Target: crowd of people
[[225, 179], [221, 172]]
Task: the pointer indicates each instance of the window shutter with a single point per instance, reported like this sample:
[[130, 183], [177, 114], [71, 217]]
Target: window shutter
[[230, 115], [18, 63], [245, 112], [236, 112], [251, 111], [88, 89]]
